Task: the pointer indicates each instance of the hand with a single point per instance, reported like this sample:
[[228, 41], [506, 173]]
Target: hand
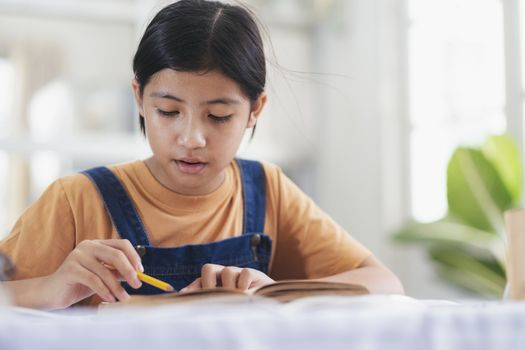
[[94, 267], [213, 276]]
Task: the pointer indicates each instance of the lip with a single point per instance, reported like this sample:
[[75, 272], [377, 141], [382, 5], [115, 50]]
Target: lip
[[191, 160], [190, 166]]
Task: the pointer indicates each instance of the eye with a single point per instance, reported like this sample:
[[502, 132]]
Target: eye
[[220, 118], [167, 113]]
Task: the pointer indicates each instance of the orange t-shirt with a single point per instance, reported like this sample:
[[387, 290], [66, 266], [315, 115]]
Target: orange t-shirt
[[307, 243]]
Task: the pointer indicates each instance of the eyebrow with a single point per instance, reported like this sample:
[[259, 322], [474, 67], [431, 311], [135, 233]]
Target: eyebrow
[[221, 100], [166, 95]]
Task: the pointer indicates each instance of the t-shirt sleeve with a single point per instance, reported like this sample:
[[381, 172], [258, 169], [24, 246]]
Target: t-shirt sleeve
[[309, 244], [43, 236]]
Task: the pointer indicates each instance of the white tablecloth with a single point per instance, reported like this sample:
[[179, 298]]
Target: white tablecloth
[[368, 322]]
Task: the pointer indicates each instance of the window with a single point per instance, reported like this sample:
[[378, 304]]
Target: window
[[456, 89]]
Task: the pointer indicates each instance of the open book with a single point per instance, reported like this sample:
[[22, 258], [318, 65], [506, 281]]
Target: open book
[[282, 291]]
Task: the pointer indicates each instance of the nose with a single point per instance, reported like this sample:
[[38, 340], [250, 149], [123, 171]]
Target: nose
[[191, 134]]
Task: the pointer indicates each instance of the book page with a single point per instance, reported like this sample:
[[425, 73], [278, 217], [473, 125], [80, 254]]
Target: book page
[[281, 291], [200, 295], [289, 290]]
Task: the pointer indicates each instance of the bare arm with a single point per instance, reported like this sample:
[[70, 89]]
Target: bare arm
[[29, 293], [81, 275], [372, 274]]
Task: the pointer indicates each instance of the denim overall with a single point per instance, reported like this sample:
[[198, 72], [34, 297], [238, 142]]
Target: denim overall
[[179, 266]]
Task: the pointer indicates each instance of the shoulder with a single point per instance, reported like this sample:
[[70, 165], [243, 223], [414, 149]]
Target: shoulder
[[279, 187], [71, 183], [277, 181], [78, 186], [272, 172]]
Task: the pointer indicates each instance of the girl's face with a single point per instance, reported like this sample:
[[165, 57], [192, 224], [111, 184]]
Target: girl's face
[[194, 124]]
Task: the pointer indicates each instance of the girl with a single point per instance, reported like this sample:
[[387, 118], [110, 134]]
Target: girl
[[191, 214]]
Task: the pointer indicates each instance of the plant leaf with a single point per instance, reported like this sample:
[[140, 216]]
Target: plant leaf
[[504, 154], [475, 192], [473, 273], [446, 232]]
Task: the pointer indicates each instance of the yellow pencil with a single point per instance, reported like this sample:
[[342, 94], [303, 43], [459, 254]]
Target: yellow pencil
[[149, 280], [155, 282]]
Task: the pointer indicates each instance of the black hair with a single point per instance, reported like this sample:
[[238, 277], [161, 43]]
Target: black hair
[[199, 36]]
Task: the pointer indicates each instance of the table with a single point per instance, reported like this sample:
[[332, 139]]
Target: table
[[366, 322]]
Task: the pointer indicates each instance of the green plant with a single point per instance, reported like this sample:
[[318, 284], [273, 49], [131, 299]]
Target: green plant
[[468, 243]]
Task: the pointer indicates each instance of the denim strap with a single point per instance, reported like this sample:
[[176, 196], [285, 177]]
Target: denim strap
[[254, 195], [119, 206]]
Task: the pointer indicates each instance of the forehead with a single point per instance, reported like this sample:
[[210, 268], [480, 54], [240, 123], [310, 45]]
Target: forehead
[[194, 85]]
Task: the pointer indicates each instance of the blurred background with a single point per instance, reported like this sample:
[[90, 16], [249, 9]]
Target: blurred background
[[367, 101]]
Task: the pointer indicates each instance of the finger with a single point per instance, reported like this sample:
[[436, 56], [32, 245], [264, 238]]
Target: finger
[[105, 275], [210, 275], [245, 279], [116, 258], [93, 282], [127, 248], [195, 285], [229, 276]]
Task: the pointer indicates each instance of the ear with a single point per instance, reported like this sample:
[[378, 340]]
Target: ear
[[257, 108], [138, 96]]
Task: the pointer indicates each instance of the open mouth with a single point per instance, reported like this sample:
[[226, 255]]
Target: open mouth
[[190, 166]]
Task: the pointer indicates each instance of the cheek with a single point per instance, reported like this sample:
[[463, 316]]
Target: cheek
[[234, 136], [155, 131], [154, 123], [232, 132]]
